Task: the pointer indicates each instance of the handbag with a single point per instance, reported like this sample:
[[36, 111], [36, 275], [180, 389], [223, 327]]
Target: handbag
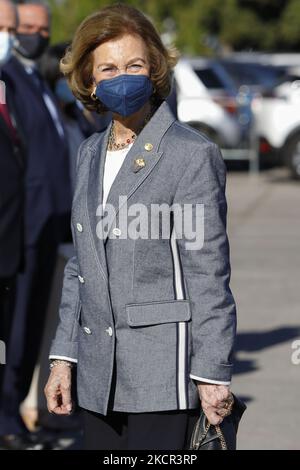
[[206, 436]]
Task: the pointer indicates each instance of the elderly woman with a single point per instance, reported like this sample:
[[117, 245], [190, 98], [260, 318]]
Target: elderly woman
[[147, 316]]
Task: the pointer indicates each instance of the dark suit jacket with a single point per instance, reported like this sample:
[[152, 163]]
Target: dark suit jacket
[[47, 182], [11, 193]]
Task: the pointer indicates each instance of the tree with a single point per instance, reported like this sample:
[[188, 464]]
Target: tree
[[202, 26]]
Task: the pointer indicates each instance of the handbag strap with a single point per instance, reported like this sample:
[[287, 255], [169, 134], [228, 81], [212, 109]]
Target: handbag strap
[[221, 437]]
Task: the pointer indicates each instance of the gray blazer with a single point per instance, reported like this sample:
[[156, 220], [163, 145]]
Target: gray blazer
[[141, 316]]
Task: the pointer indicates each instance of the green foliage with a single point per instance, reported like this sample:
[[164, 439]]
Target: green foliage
[[201, 26], [290, 25]]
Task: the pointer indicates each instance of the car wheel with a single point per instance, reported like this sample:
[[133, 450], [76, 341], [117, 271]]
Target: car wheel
[[292, 156]]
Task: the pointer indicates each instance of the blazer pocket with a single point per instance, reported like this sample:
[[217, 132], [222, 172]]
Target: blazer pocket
[[149, 347], [158, 312]]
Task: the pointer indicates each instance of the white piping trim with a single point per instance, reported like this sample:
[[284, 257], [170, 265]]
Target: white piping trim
[[209, 381], [63, 358], [182, 337]]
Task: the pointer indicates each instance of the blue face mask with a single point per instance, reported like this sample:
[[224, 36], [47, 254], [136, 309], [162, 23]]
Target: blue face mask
[[125, 94], [63, 91]]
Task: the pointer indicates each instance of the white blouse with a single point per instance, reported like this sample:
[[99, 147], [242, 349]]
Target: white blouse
[[113, 162]]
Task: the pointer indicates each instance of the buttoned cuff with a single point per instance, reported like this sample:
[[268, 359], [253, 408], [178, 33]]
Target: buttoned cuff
[[209, 370], [62, 350]]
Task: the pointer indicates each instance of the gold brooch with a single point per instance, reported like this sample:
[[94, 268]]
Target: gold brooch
[[139, 163]]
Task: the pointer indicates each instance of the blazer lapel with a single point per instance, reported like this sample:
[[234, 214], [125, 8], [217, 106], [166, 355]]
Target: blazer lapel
[[137, 166], [16, 69], [95, 195], [139, 162]]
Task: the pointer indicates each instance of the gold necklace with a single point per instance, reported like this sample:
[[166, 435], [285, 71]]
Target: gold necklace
[[112, 145]]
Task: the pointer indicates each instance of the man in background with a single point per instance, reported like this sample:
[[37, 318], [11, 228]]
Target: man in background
[[47, 211], [11, 181]]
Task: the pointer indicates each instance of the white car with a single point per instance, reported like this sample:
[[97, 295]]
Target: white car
[[208, 111], [277, 120]]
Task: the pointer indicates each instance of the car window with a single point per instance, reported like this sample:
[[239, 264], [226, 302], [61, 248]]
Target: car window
[[253, 74], [209, 78]]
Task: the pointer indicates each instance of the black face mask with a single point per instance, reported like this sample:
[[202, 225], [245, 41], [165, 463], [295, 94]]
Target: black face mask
[[31, 46]]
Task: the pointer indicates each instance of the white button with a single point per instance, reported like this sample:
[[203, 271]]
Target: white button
[[87, 330], [81, 279], [79, 228], [148, 147], [109, 331], [117, 232]]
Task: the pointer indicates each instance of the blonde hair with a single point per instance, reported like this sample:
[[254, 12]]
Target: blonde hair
[[107, 24]]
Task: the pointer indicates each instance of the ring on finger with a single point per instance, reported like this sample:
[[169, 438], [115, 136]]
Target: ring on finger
[[224, 412]]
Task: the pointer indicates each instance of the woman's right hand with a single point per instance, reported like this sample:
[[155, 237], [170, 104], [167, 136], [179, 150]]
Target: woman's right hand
[[58, 390]]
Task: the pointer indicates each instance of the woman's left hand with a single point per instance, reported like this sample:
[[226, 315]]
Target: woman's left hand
[[214, 401]]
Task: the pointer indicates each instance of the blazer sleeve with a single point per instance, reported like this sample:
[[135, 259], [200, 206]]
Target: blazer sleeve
[[65, 345], [206, 269]]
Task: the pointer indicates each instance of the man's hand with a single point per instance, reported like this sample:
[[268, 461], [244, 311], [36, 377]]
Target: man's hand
[[58, 390], [214, 401]]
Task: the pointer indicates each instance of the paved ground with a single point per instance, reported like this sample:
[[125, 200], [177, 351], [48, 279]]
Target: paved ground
[[264, 229]]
